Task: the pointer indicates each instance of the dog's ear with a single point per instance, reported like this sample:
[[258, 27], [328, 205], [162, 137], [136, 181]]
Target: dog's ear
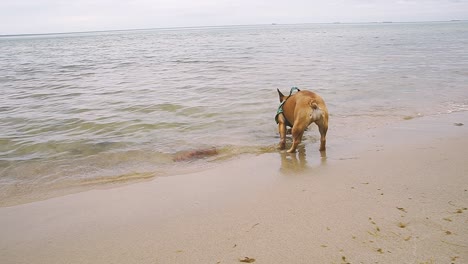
[[281, 96]]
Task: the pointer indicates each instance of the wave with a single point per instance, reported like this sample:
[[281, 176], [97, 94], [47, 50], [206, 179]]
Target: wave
[[25, 181]]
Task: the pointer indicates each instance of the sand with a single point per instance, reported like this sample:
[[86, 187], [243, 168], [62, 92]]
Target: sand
[[393, 195]]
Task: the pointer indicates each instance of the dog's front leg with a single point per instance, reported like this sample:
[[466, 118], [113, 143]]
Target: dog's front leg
[[282, 131]]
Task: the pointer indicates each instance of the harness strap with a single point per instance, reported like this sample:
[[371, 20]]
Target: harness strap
[[280, 107]]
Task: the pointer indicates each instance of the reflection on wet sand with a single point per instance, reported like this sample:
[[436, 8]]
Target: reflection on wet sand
[[297, 162]]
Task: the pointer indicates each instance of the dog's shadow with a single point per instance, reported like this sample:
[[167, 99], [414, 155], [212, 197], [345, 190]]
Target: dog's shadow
[[297, 162]]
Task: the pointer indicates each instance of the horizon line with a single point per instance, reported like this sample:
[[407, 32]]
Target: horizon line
[[220, 26]]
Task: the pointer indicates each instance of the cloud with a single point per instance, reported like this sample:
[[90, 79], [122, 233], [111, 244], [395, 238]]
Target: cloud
[[39, 16]]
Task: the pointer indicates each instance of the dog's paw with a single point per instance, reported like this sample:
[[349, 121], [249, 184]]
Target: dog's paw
[[282, 145]]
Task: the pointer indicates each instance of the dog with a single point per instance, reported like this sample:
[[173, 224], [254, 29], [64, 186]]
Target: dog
[[298, 111]]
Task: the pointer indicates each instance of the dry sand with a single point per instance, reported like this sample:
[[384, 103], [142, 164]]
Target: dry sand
[[395, 195]]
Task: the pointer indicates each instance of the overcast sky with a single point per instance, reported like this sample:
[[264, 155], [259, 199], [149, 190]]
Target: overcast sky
[[46, 16]]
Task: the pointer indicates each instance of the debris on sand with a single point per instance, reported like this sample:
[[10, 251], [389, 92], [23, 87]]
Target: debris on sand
[[402, 209], [247, 260]]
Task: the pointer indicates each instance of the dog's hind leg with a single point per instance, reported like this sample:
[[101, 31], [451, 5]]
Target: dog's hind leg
[[297, 132], [323, 128]]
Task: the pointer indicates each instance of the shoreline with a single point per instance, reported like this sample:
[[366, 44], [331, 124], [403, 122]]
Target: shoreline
[[207, 158], [394, 194]]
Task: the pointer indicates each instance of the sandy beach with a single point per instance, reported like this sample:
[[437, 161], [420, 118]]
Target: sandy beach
[[398, 194]]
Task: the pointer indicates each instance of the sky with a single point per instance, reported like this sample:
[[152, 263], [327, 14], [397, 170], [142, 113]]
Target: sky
[[55, 16]]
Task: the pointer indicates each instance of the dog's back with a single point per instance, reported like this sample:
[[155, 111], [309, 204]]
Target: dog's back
[[308, 106]]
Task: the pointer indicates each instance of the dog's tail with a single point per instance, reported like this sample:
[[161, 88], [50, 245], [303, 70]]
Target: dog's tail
[[316, 112], [314, 105]]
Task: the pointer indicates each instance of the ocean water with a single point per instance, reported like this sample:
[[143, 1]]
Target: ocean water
[[86, 109]]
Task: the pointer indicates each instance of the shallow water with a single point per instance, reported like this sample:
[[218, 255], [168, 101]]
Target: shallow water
[[88, 108]]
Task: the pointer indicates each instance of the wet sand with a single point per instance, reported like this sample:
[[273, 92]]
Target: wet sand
[[394, 195]]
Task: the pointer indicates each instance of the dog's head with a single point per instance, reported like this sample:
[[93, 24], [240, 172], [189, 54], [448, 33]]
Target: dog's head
[[282, 97]]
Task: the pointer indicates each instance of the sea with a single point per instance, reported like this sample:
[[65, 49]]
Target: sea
[[94, 109]]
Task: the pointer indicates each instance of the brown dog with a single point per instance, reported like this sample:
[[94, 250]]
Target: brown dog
[[299, 111]]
